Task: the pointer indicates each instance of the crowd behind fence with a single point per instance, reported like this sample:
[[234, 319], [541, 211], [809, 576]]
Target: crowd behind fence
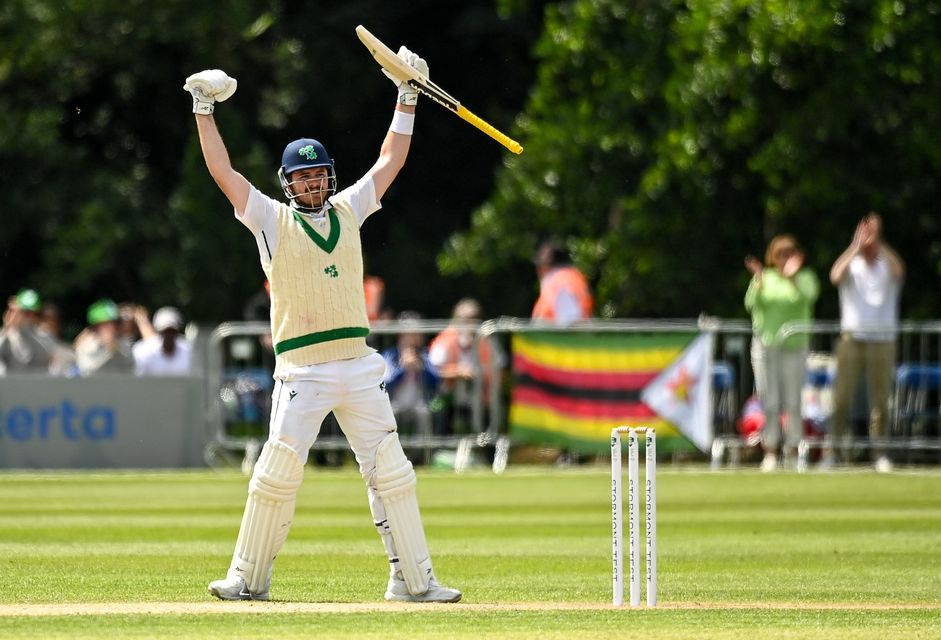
[[234, 363], [239, 386]]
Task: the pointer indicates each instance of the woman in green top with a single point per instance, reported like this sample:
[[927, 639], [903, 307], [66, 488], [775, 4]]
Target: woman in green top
[[781, 291]]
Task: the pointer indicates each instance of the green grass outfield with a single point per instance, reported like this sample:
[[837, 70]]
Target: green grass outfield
[[742, 555]]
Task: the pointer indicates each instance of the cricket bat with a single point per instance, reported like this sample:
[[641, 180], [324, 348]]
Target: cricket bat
[[405, 72]]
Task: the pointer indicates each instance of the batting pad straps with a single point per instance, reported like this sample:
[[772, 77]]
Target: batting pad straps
[[269, 512], [395, 485], [402, 123]]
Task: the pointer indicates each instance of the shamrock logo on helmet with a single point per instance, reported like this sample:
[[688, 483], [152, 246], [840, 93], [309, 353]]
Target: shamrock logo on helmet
[[308, 152]]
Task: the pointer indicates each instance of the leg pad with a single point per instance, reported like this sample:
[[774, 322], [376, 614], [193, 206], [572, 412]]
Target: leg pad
[[269, 511], [395, 485]]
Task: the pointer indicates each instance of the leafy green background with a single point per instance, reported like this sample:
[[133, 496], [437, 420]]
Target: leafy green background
[[665, 140]]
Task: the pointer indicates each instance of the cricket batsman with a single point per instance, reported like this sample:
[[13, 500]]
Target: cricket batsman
[[311, 254]]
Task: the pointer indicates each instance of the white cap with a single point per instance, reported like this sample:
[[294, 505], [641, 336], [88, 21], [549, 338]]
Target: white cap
[[167, 318]]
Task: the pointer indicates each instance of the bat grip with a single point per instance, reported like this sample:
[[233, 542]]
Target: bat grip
[[491, 131]]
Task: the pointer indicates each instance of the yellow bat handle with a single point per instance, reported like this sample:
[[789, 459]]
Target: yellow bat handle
[[503, 139]]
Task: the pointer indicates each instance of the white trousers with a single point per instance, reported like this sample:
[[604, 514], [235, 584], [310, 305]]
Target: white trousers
[[779, 377], [352, 389]]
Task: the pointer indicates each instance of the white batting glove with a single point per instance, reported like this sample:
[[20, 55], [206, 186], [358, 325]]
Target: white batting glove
[[408, 95], [208, 87]]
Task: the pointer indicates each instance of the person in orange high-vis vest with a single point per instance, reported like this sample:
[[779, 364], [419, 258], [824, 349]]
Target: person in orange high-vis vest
[[374, 288], [564, 295]]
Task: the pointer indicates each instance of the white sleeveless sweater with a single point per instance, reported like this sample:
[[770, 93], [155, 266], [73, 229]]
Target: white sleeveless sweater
[[318, 308]]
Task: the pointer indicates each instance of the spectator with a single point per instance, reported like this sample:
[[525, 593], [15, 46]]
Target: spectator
[[62, 356], [98, 348], [782, 290], [22, 349], [374, 289], [564, 295], [134, 325], [166, 353], [462, 360], [410, 379], [869, 275]]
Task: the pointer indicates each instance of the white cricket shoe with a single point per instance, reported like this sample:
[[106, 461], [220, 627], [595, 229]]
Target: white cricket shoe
[[769, 463], [397, 591], [234, 588]]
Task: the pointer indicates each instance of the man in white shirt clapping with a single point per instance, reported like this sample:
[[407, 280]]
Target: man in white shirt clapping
[[869, 275]]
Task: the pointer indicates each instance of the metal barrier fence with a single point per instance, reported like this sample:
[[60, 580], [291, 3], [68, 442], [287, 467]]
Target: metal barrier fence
[[240, 384], [913, 426], [240, 365]]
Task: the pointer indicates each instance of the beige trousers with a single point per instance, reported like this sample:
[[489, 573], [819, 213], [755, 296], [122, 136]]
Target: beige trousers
[[855, 358]]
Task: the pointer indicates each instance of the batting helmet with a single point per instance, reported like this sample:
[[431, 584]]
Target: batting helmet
[[305, 153]]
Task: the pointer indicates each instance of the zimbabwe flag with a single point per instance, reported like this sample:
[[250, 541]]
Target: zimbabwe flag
[[570, 389]]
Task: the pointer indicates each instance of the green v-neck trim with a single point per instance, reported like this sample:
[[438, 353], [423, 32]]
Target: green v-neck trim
[[328, 244]]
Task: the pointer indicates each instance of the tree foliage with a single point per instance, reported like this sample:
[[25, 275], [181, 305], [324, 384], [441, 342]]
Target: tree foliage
[[104, 191], [667, 139], [664, 141]]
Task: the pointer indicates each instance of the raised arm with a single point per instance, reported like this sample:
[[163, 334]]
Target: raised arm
[[840, 267], [392, 154], [396, 144], [207, 88], [233, 184]]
